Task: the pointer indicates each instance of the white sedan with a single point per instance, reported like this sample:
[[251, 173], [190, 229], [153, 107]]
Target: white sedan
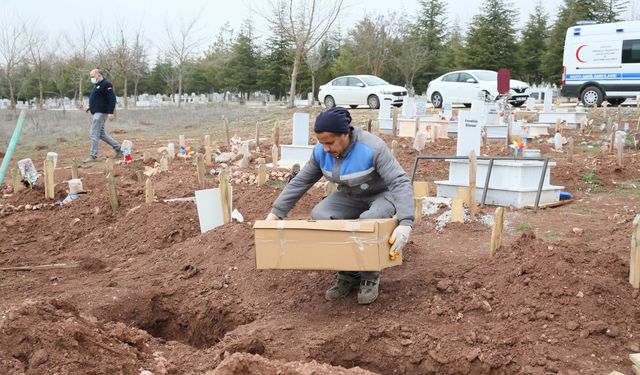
[[465, 86], [360, 90]]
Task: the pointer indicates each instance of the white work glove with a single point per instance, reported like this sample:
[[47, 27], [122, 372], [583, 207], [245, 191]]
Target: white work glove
[[272, 216], [398, 240]]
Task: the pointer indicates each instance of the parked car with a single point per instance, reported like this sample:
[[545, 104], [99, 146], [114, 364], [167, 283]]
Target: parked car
[[360, 90], [465, 86]]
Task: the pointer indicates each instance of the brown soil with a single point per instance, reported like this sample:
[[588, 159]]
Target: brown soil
[[153, 293]]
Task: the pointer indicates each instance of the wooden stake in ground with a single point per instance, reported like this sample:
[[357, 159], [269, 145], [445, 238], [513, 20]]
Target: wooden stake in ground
[[140, 175], [620, 147], [418, 211], [257, 136], [226, 130], [394, 123], [496, 232], [42, 267], [164, 164], [274, 156], [181, 140], [207, 140], [634, 262], [570, 151], [108, 166], [557, 124], [417, 125], [420, 189], [369, 124], [74, 168], [457, 210], [276, 134], [225, 195], [146, 156], [262, 174], [394, 148], [113, 194], [473, 206], [49, 180], [200, 170], [149, 192], [207, 155], [15, 180]]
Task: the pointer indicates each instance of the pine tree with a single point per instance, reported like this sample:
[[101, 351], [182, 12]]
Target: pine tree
[[242, 66], [454, 55], [491, 41], [431, 25], [532, 46], [275, 73]]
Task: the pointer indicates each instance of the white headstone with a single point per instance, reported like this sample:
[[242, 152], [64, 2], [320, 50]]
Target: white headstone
[[548, 100], [491, 114], [209, 205], [469, 125], [385, 109], [409, 107], [531, 104], [300, 129], [477, 106]]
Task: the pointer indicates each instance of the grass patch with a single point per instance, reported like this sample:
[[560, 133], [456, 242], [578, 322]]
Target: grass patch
[[587, 210], [523, 227], [276, 184], [551, 235], [591, 178]]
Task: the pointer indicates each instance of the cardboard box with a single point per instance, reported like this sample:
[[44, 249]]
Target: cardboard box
[[340, 245]]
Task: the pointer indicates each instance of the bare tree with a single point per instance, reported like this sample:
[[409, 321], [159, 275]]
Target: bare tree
[[12, 52], [139, 64], [372, 38], [182, 46], [409, 54], [305, 23], [315, 61], [122, 55], [39, 57], [80, 43]]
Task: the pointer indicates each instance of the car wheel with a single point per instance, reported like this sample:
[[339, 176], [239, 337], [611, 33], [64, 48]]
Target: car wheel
[[353, 106], [373, 102], [592, 96], [436, 100], [616, 101], [329, 102]]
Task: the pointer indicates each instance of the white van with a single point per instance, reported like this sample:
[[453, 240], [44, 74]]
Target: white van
[[602, 62]]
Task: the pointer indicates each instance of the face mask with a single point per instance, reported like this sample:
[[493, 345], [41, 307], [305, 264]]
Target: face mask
[[94, 80]]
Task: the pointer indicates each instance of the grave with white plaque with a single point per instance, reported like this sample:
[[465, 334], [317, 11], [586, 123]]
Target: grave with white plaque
[[513, 182], [385, 122], [299, 151]]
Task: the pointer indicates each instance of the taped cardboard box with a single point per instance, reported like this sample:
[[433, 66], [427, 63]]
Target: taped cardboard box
[[340, 245]]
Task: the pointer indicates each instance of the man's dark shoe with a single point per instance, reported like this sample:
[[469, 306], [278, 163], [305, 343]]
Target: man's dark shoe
[[117, 154], [343, 286], [90, 160], [368, 292]]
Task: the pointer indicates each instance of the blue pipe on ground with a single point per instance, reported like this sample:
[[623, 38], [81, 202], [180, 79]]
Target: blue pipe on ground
[[12, 146]]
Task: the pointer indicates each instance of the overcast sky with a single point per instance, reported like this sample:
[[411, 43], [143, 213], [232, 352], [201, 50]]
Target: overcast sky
[[57, 16]]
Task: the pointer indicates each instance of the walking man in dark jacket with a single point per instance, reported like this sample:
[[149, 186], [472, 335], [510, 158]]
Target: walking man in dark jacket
[[102, 103], [371, 185]]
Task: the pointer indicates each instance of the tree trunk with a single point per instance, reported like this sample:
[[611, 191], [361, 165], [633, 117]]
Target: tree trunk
[[12, 93], [135, 91], [41, 92], [80, 100], [126, 99], [179, 85], [294, 76], [313, 89]]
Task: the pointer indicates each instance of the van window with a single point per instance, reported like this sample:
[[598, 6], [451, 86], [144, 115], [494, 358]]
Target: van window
[[631, 51]]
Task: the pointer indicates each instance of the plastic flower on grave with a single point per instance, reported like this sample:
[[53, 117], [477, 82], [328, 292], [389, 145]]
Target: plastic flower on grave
[[517, 146], [501, 113]]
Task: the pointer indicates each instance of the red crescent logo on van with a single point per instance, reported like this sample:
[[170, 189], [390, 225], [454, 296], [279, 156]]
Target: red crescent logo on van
[[578, 53]]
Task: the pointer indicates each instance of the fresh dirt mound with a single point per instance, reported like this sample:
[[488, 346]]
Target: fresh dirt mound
[[46, 337], [254, 364]]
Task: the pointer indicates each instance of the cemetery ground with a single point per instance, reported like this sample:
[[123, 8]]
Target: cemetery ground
[[143, 289]]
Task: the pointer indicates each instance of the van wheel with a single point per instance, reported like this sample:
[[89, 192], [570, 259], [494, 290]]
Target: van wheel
[[592, 96]]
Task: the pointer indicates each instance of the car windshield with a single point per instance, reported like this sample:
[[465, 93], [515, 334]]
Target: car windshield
[[373, 81], [485, 75]]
